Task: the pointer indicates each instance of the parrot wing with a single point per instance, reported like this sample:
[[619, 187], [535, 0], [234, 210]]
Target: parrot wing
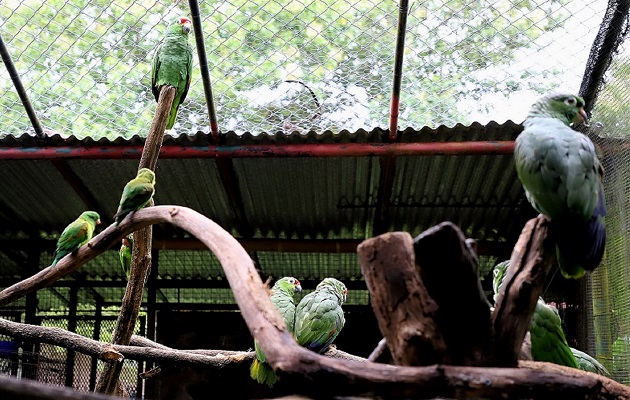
[[137, 193], [155, 67], [547, 337], [318, 321], [75, 235], [586, 362]]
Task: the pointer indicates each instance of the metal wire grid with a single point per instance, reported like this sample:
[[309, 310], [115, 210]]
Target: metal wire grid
[[86, 65], [611, 281]]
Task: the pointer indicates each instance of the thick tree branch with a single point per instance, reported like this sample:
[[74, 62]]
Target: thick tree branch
[[448, 267], [404, 310], [530, 263]]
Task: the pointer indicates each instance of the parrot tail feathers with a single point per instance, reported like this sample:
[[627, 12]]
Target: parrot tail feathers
[[580, 244], [172, 115], [262, 373]]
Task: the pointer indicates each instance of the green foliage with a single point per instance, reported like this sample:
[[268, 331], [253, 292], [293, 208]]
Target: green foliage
[[86, 64]]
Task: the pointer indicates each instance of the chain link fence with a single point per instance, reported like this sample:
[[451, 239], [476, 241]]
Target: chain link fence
[[611, 282], [284, 66]]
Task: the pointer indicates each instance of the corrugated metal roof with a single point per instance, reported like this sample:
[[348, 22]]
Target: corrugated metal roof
[[265, 197]]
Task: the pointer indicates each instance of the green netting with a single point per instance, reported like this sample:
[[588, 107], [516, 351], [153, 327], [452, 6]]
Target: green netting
[[611, 281]]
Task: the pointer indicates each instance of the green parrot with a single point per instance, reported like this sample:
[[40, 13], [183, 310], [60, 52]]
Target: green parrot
[[547, 340], [283, 295], [136, 194], [75, 235], [562, 178], [125, 254], [319, 317], [172, 64]]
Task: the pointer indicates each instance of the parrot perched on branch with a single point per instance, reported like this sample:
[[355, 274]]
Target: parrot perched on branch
[[319, 317], [136, 194], [283, 295], [547, 339], [125, 254], [562, 178], [172, 64], [75, 235]]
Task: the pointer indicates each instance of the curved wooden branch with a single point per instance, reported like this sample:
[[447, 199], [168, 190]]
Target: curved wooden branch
[[308, 370]]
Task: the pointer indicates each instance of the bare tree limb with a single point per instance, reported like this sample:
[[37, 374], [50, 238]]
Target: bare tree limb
[[530, 263], [142, 243], [114, 353]]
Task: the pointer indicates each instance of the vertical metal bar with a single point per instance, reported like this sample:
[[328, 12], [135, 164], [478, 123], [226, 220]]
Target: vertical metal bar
[[72, 327], [203, 66], [403, 10], [15, 77], [388, 163], [96, 335]]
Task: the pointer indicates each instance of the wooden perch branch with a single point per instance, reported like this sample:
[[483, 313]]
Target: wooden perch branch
[[530, 263], [448, 267], [427, 296], [113, 353], [142, 243], [400, 301]]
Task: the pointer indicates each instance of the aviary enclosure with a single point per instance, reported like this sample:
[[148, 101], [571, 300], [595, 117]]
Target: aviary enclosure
[[295, 153]]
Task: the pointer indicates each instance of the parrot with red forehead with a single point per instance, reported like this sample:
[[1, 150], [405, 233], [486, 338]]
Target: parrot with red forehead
[[172, 64], [283, 295]]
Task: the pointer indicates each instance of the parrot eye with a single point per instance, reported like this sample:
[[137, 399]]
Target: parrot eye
[[570, 101]]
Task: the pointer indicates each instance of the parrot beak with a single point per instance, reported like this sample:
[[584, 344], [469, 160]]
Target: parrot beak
[[187, 27], [98, 221], [582, 116]]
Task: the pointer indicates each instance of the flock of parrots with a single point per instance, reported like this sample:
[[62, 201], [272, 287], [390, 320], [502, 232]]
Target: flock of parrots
[[557, 166]]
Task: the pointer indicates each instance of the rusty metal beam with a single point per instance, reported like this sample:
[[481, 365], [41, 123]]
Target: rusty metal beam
[[503, 147]]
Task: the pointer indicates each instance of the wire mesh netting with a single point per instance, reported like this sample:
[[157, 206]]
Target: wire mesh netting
[[611, 282], [292, 65]]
